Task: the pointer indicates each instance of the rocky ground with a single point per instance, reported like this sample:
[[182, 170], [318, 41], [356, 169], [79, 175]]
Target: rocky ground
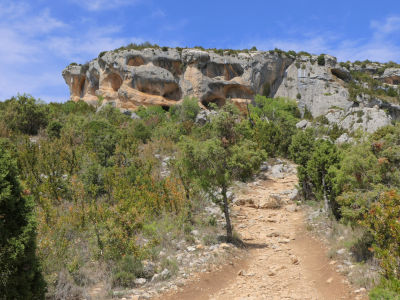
[[282, 259]]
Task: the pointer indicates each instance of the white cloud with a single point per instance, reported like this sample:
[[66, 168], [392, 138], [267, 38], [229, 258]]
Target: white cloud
[[158, 13], [35, 46], [34, 51], [390, 25], [43, 23], [97, 5], [90, 44], [381, 44]]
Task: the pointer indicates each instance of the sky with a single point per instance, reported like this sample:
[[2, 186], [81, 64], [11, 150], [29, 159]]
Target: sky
[[39, 38]]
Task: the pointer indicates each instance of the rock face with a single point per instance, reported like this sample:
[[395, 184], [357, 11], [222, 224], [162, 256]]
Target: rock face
[[131, 78], [391, 76], [317, 88], [366, 119], [128, 79]]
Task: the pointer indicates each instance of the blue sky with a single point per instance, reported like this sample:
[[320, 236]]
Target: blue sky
[[39, 38]]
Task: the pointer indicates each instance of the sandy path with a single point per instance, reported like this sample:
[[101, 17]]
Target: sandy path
[[283, 260]]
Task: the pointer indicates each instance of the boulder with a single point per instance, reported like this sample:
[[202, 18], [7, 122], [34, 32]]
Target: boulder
[[140, 281], [149, 269], [273, 201], [303, 124], [344, 138]]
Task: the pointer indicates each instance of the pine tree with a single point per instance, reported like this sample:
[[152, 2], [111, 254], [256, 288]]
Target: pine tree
[[20, 276]]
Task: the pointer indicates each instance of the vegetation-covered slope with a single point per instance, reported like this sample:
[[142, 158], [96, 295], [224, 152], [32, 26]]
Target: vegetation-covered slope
[[111, 191]]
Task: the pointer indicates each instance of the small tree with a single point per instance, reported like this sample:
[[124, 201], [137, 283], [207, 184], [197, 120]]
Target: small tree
[[382, 221], [25, 114], [301, 148], [324, 156], [20, 277], [220, 159]]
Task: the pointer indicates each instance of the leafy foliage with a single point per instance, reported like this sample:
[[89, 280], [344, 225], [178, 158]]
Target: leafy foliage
[[274, 124], [25, 114], [321, 60], [225, 155], [20, 270]]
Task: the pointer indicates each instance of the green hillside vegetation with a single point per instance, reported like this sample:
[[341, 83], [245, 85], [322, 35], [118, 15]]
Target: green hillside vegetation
[[109, 191], [101, 204]]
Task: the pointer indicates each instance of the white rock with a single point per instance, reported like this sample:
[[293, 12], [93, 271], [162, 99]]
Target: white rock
[[341, 251], [140, 281], [191, 248]]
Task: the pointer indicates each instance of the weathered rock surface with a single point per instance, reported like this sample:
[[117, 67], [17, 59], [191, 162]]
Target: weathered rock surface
[[344, 138], [367, 119], [391, 76], [132, 78], [128, 79], [317, 88]]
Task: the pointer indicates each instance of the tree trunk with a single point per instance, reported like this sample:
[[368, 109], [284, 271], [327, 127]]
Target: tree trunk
[[326, 203], [227, 216]]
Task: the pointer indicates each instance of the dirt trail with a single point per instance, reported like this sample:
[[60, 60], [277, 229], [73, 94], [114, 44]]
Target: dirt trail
[[283, 260]]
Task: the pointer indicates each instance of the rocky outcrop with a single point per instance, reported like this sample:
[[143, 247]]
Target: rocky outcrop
[[317, 88], [366, 119], [391, 76], [128, 79], [131, 78]]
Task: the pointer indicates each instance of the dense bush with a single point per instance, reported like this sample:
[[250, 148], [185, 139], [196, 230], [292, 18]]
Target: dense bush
[[321, 60], [25, 114], [274, 124], [360, 182], [19, 267]]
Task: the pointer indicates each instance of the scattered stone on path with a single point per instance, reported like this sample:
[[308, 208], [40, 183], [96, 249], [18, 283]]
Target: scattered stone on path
[[294, 260]]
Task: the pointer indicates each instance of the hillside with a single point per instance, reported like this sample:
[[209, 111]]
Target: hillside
[[278, 171]]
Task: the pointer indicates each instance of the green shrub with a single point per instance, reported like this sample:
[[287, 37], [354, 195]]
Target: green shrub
[[20, 270], [25, 114], [102, 138], [388, 289], [382, 222], [391, 92], [303, 53], [274, 124], [54, 129], [126, 271], [101, 54], [141, 131], [321, 60], [190, 109]]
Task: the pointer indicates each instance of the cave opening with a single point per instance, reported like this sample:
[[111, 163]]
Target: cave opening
[[135, 61], [218, 101], [114, 81]]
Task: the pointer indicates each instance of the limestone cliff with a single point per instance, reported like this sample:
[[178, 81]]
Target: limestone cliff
[[131, 78]]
